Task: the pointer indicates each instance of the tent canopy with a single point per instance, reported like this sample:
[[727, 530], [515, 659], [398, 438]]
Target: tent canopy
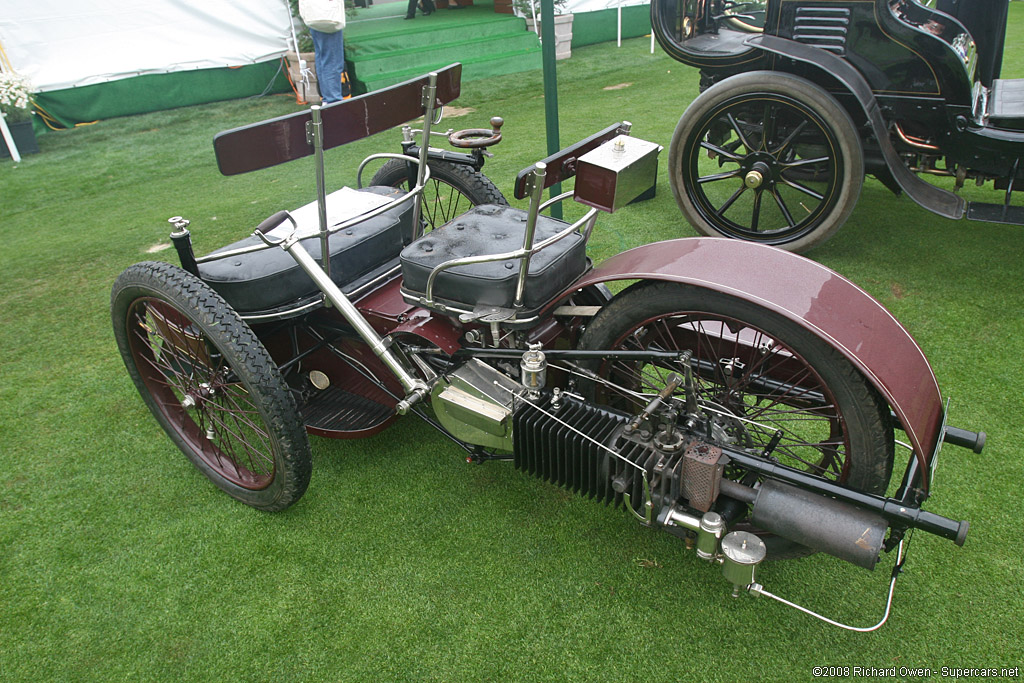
[[60, 45]]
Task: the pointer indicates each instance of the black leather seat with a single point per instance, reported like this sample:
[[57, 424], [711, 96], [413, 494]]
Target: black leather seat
[[269, 279], [491, 229]]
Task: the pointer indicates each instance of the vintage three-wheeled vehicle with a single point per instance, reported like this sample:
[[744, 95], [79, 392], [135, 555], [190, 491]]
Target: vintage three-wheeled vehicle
[[738, 396], [801, 98]]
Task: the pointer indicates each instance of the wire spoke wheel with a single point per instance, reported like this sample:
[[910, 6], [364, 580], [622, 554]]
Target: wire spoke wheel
[[752, 384], [211, 385], [777, 162], [760, 379], [200, 394], [451, 191]]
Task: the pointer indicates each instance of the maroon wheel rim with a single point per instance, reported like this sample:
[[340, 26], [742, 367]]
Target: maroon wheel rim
[[199, 395]]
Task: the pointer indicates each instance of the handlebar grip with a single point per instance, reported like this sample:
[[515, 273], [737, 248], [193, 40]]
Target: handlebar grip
[[270, 223], [964, 438]]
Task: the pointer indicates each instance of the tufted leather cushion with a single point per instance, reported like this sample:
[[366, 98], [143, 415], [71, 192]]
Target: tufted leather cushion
[[491, 229], [269, 279]]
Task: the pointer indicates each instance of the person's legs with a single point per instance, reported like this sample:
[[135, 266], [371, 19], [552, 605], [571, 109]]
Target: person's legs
[[329, 49]]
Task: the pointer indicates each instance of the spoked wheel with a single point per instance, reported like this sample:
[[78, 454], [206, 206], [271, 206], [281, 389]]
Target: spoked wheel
[[766, 157], [211, 385], [451, 191], [756, 373]]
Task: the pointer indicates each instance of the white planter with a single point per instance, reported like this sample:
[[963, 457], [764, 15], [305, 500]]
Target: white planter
[[563, 34]]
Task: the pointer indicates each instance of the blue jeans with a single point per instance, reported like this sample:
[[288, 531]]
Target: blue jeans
[[330, 63]]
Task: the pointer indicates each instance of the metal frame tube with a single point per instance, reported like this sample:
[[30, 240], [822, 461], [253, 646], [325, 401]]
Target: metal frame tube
[[896, 512], [315, 136], [429, 99], [352, 315], [536, 199]]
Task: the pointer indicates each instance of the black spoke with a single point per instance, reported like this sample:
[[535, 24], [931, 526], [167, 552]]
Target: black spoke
[[803, 188], [719, 176], [782, 207], [789, 138], [768, 129], [806, 162], [721, 151], [756, 211], [729, 202], [739, 133]]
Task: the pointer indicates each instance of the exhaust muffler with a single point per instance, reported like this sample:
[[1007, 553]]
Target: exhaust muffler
[[819, 522]]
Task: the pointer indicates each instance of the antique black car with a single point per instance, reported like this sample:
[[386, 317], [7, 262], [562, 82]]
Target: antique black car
[[801, 98]]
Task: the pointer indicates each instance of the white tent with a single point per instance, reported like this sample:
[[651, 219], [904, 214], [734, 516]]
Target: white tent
[[62, 44]]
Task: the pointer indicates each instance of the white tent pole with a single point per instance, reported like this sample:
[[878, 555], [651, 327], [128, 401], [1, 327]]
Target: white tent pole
[[9, 140], [618, 28], [291, 26], [303, 70]]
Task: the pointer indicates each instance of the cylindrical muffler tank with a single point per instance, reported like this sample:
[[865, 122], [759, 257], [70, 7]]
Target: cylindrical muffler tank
[[819, 522]]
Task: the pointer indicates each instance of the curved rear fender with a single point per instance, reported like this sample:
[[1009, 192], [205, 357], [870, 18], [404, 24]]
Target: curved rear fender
[[818, 299]]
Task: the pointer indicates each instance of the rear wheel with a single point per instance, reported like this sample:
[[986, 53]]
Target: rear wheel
[[756, 373], [452, 190], [766, 157], [211, 385]]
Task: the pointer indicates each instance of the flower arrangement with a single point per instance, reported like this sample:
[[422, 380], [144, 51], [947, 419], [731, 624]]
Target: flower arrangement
[[15, 97]]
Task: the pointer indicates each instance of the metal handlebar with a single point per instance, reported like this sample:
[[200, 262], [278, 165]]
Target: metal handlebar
[[270, 224]]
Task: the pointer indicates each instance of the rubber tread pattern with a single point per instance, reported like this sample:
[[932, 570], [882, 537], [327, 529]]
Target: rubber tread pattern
[[246, 355]]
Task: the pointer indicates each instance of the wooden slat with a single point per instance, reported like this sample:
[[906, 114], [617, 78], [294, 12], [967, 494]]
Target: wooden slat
[[275, 141]]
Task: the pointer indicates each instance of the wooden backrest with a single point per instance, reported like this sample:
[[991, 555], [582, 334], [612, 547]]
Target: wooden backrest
[[275, 141], [562, 165]]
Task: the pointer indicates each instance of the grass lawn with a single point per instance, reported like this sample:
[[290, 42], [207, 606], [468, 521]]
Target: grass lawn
[[119, 561]]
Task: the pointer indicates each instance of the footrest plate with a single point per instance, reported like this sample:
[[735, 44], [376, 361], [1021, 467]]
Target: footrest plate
[[995, 213], [335, 410]]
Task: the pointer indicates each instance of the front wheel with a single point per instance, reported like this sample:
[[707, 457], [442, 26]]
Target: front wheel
[[452, 189], [756, 374], [211, 385], [766, 157]]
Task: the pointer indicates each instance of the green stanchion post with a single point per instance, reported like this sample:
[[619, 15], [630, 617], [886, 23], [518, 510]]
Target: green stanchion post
[[547, 30]]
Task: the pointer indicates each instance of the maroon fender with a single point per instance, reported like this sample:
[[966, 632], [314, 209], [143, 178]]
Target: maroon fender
[[818, 299]]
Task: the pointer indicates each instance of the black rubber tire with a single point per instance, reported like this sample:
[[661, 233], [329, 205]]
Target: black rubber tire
[[719, 207], [861, 419], [179, 338], [451, 191]]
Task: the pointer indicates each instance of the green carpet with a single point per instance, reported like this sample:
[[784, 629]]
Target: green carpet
[[382, 48]]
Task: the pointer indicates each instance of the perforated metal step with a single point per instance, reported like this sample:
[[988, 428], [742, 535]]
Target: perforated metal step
[[337, 410]]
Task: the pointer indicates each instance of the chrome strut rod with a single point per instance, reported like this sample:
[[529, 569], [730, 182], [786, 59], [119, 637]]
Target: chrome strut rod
[[415, 388]]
